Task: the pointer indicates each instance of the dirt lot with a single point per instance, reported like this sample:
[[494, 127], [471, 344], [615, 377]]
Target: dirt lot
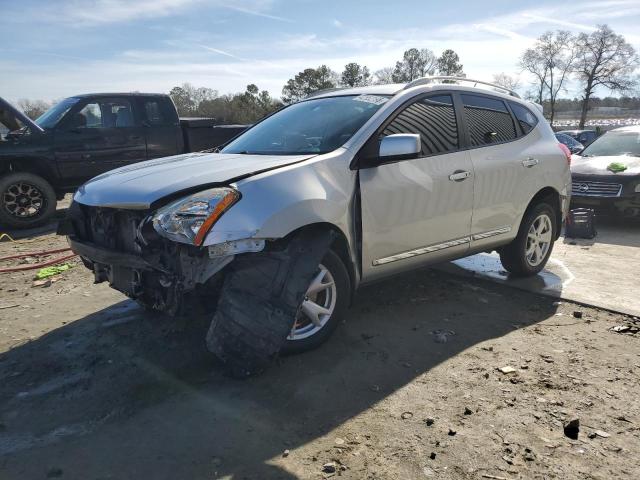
[[91, 387]]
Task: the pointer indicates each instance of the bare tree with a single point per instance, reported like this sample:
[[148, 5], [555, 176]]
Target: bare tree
[[534, 62], [383, 76], [551, 61], [604, 59], [33, 108], [506, 81]]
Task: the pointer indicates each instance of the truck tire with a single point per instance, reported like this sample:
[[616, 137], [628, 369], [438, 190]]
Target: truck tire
[[26, 200], [528, 253], [259, 301]]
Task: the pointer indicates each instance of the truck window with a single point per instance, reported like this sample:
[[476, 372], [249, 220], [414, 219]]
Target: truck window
[[106, 114], [488, 120], [434, 119]]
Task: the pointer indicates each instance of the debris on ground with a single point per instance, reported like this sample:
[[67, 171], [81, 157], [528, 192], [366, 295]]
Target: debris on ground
[[506, 370], [442, 336], [572, 428], [329, 467], [53, 270], [577, 314], [406, 415]]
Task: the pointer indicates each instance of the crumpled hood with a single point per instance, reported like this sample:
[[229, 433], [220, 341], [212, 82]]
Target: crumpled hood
[[598, 165], [139, 185], [9, 116]]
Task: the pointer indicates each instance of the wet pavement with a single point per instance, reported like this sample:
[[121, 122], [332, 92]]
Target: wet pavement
[[601, 272]]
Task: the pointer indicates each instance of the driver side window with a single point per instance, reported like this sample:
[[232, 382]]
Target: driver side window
[[434, 119], [107, 113], [90, 116]]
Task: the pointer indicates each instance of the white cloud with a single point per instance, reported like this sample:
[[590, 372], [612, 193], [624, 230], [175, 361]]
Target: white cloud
[[337, 23], [84, 13]]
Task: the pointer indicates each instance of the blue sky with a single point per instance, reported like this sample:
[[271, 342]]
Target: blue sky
[[55, 48]]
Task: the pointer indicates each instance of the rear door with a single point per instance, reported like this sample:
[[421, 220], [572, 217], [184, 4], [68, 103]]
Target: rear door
[[505, 165], [98, 135], [162, 129], [419, 210]]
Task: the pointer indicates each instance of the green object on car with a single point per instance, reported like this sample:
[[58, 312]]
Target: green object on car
[[617, 167]]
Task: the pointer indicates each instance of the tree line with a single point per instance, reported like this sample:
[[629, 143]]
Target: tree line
[[601, 59]]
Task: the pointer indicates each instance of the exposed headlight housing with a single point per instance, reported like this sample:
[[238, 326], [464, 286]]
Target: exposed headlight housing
[[189, 219]]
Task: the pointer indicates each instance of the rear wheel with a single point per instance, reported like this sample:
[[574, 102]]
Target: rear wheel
[[530, 250], [26, 200]]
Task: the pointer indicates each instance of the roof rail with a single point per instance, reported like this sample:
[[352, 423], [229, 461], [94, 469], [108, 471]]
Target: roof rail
[[324, 90], [448, 79]]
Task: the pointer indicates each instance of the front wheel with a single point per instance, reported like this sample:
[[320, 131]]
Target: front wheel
[[324, 305], [26, 200], [530, 250]]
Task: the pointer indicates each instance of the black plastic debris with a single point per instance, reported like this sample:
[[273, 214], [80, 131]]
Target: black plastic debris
[[581, 223]]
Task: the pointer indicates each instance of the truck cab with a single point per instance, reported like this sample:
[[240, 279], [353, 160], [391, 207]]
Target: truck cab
[[81, 137]]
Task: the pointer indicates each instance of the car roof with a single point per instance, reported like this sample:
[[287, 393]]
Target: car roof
[[427, 84], [576, 131], [630, 128], [119, 94]]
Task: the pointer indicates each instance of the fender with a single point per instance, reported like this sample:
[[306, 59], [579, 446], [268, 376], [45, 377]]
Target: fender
[[278, 202]]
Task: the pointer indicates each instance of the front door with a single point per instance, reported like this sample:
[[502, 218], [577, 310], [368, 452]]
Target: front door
[[100, 135], [419, 210]]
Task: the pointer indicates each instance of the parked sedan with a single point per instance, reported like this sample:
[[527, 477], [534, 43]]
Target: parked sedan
[[585, 137], [572, 144], [606, 175]]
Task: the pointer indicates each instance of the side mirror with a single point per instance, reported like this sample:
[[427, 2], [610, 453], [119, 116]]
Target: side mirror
[[400, 146]]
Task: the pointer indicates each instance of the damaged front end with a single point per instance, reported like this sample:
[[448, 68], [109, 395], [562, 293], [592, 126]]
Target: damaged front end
[[123, 248]]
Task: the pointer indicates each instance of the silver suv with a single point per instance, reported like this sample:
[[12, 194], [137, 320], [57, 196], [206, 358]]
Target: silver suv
[[276, 231]]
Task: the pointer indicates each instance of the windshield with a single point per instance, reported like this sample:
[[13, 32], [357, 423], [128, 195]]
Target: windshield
[[614, 143], [51, 117], [312, 126]]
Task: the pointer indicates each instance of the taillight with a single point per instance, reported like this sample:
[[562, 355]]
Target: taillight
[[566, 151]]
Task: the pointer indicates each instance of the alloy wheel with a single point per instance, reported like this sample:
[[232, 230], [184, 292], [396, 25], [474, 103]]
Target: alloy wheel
[[539, 240], [23, 200], [317, 307]]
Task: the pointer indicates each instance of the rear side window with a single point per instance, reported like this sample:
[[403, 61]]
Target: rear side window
[[434, 119], [526, 118], [158, 111], [488, 120]]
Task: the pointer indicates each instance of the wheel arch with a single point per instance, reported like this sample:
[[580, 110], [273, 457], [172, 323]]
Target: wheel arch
[[551, 196], [35, 165], [339, 245]]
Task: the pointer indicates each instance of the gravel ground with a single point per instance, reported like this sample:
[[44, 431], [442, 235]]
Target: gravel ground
[[91, 387]]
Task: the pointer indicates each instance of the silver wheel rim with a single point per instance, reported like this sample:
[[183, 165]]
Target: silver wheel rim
[[317, 307], [539, 240], [23, 200]]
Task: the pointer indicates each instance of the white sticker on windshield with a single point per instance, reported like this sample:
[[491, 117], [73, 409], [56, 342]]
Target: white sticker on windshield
[[375, 99]]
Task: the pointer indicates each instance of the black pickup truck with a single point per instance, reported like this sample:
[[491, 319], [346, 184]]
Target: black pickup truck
[[84, 136]]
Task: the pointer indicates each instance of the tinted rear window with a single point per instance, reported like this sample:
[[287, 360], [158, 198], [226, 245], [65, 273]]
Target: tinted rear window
[[488, 120], [526, 118]]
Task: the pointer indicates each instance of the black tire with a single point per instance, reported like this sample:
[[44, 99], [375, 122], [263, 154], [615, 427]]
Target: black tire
[[514, 257], [259, 301], [19, 186], [333, 263]]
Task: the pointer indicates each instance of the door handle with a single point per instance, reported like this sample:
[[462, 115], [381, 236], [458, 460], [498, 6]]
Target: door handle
[[459, 175], [530, 162]]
